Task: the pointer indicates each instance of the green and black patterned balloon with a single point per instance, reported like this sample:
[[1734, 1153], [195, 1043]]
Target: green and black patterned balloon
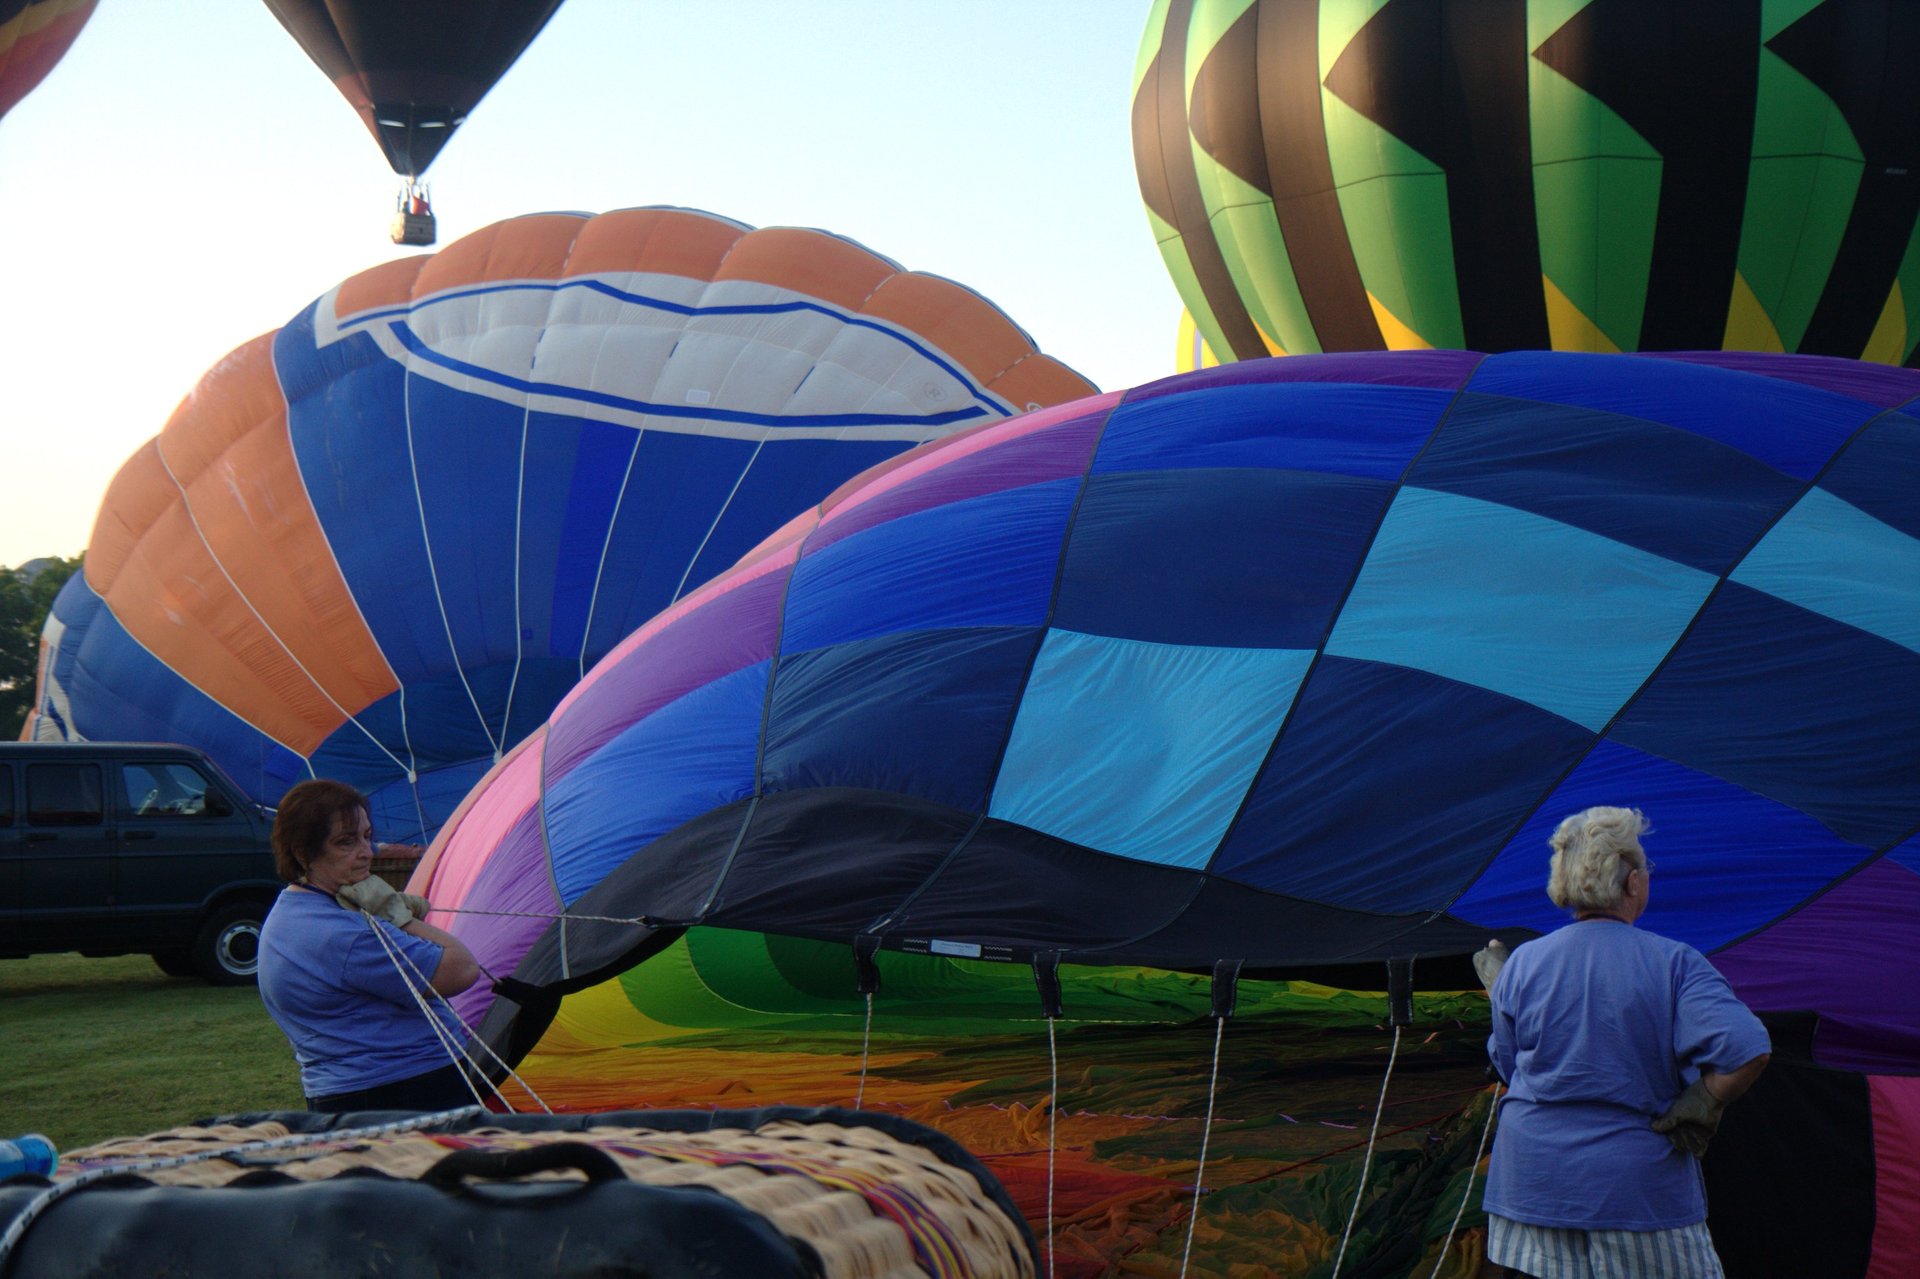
[[1510, 174]]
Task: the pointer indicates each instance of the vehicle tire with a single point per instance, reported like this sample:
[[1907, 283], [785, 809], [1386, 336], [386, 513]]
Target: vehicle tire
[[227, 950], [176, 963]]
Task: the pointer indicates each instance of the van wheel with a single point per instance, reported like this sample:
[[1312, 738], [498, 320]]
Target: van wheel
[[227, 950], [176, 963]]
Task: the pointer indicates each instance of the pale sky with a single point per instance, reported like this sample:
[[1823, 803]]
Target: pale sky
[[187, 179]]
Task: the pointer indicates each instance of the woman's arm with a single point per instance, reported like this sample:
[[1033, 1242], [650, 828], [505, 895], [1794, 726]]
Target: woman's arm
[[457, 969], [1731, 1085]]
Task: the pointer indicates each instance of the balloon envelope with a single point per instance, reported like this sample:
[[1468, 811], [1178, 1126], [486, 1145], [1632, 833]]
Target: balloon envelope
[[35, 34], [1619, 175], [380, 543], [413, 69], [1285, 662]]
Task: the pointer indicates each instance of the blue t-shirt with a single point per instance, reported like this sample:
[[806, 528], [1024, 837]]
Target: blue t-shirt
[[341, 1000], [1597, 1027]]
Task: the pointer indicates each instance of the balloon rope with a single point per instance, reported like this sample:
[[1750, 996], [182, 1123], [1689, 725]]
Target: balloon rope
[[445, 1036], [638, 921], [1206, 1135], [688, 572], [866, 1037], [60, 1189], [593, 600], [1366, 1165], [1053, 1117], [433, 573], [519, 519], [1467, 1197]]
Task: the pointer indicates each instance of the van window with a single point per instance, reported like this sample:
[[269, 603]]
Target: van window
[[158, 790], [6, 794], [64, 795]]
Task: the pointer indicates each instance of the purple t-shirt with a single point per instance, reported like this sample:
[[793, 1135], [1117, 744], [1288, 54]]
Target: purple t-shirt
[[1597, 1027], [341, 1000]]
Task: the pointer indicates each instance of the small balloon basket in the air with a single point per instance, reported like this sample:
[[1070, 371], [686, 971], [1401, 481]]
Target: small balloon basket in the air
[[665, 1194]]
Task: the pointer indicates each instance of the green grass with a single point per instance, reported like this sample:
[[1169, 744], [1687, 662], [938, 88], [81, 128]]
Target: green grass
[[95, 1048]]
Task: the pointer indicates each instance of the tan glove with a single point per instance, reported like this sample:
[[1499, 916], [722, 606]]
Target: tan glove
[[376, 897], [1692, 1119], [1488, 961]]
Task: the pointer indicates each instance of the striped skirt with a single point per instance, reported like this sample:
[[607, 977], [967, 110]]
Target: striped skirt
[[1552, 1252]]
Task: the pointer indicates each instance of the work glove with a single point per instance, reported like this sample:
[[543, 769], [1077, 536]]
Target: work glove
[[1488, 960], [376, 897], [1692, 1119]]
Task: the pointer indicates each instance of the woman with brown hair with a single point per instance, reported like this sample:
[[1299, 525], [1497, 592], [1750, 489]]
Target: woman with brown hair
[[342, 960]]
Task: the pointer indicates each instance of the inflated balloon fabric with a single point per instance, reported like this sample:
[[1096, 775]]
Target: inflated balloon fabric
[[413, 71], [34, 35], [1289, 662], [380, 543], [1616, 175]]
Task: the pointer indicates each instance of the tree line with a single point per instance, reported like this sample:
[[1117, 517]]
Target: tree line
[[26, 597]]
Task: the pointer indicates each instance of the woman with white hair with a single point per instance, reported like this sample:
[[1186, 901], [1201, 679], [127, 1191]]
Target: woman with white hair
[[1619, 1048]]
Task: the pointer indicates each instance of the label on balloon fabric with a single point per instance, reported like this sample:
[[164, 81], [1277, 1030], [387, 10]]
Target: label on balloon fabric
[[958, 949]]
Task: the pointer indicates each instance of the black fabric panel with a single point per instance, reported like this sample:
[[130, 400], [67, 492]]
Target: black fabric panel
[[1272, 932], [1861, 54], [1183, 187], [1098, 908], [1790, 1176], [1224, 112], [1450, 81], [421, 61], [1685, 77], [1300, 174]]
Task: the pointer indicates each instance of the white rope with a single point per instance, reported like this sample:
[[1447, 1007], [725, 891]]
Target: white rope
[[866, 1038], [440, 1032], [1367, 1164], [60, 1189], [637, 921], [593, 600], [1053, 1116], [433, 573], [1206, 1135], [722, 514], [1467, 1198], [413, 758], [519, 515], [447, 1041]]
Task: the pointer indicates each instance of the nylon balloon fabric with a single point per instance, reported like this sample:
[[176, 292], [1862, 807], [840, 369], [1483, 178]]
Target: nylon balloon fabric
[[34, 35], [382, 542], [1285, 662], [413, 71], [1617, 175]]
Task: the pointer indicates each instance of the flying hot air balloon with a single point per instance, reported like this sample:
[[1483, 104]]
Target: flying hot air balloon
[[413, 70]]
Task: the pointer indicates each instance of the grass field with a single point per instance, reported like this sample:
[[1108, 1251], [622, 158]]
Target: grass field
[[93, 1048]]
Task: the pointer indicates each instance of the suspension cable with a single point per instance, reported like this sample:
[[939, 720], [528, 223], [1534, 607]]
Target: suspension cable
[[1366, 1164], [1206, 1135], [1493, 1105], [459, 1056], [866, 1038]]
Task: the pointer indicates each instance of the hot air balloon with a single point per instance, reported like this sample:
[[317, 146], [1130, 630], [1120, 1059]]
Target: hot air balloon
[[381, 542], [413, 71], [35, 34], [1287, 662], [1610, 176]]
